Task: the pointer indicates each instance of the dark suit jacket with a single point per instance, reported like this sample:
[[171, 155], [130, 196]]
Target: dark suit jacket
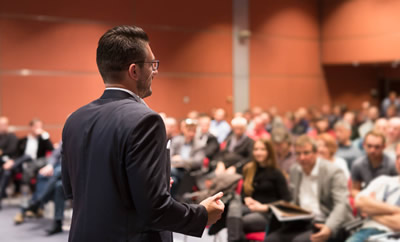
[[116, 169], [44, 146], [241, 153]]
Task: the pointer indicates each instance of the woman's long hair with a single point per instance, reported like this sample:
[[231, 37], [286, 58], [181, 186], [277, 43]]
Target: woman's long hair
[[249, 170]]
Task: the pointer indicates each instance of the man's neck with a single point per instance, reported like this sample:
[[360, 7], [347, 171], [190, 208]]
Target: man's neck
[[376, 162], [346, 143], [283, 154]]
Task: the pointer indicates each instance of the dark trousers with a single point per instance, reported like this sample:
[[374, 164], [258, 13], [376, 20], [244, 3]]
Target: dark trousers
[[5, 176], [240, 220], [299, 231]]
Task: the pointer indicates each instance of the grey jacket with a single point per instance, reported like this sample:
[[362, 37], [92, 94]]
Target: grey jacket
[[332, 190], [197, 153]]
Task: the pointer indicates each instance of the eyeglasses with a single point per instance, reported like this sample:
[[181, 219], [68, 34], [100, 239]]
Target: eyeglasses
[[306, 152], [377, 147], [154, 64]]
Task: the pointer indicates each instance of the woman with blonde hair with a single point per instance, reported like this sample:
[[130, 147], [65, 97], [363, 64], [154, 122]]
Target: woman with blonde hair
[[263, 183], [326, 148]]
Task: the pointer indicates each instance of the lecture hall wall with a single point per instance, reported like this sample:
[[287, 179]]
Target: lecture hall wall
[[53, 45], [301, 53], [360, 41], [285, 66]]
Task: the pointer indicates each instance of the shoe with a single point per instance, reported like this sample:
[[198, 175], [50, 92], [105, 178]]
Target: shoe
[[55, 228], [34, 211], [19, 218]]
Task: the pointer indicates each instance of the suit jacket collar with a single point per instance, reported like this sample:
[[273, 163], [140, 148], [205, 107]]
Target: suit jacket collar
[[117, 94]]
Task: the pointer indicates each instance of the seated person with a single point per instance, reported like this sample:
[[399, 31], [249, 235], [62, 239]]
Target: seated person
[[347, 149], [219, 127], [8, 141], [237, 151], [187, 153], [31, 148], [373, 164], [380, 203], [263, 183], [209, 140], [285, 156], [327, 148], [320, 187], [258, 131], [48, 187], [321, 126]]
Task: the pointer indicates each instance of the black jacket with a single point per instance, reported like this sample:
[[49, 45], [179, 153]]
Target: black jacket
[[116, 169]]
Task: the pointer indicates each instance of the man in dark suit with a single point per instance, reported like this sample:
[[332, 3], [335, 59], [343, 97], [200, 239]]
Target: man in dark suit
[[238, 149], [116, 164]]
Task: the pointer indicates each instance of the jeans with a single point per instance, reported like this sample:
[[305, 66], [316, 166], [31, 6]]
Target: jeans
[[364, 234]]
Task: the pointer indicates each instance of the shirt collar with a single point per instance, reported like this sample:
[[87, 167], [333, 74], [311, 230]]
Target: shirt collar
[[134, 95], [314, 172]]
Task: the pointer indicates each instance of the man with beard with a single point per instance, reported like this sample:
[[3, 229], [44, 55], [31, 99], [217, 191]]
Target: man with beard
[[116, 164]]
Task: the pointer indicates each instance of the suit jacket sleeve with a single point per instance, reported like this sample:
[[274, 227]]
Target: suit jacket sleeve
[[147, 166], [339, 195], [65, 174]]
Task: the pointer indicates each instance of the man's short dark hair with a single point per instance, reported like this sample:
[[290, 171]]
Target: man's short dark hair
[[118, 48]]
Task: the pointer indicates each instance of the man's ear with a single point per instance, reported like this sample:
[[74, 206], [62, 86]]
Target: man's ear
[[133, 71]]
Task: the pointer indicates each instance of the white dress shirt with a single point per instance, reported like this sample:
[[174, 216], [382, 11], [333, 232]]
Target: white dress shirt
[[32, 146], [309, 197]]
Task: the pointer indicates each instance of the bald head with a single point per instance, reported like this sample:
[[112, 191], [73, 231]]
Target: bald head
[[393, 131], [3, 125], [219, 114]]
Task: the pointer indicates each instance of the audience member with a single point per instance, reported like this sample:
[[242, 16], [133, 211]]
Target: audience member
[[282, 141], [347, 149], [379, 202], [258, 131], [321, 125], [48, 188], [171, 127], [263, 184], [350, 118], [318, 186], [209, 141], [301, 124], [373, 164], [187, 153], [237, 151], [219, 127], [327, 147], [393, 137], [31, 148], [391, 100], [368, 125], [8, 141]]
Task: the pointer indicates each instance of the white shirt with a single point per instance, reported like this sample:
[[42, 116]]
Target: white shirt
[[309, 197], [32, 146], [386, 189], [127, 91]]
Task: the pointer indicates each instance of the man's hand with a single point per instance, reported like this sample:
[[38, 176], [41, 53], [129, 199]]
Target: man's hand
[[8, 165], [170, 182], [176, 161], [47, 171], [323, 234], [231, 170], [255, 206], [214, 206]]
